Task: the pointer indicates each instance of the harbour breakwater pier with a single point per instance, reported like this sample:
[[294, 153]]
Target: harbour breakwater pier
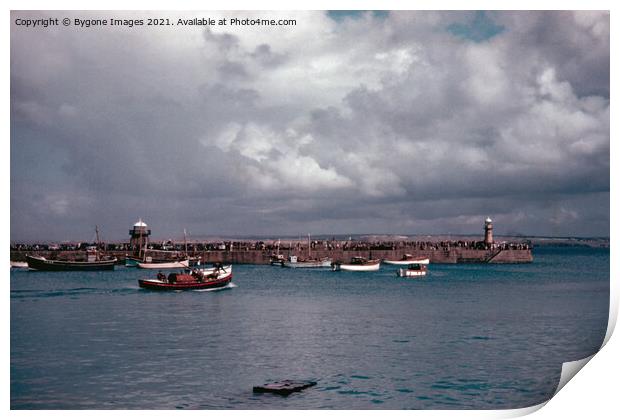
[[437, 253], [247, 252], [448, 251]]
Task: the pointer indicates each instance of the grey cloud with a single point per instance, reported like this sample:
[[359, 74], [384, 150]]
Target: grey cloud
[[232, 70], [264, 55], [224, 41], [577, 43], [394, 126]]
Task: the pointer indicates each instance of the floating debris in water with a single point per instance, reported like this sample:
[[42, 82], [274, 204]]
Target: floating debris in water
[[285, 387]]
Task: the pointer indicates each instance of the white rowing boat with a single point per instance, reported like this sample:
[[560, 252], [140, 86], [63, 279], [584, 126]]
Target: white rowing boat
[[165, 265], [408, 259], [357, 264]]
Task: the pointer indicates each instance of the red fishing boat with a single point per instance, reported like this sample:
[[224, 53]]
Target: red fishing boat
[[207, 278]]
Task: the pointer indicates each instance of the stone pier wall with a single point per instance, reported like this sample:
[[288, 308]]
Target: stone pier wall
[[437, 256]]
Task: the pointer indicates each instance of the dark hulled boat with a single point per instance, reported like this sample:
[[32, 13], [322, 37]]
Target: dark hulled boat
[[94, 261], [43, 264]]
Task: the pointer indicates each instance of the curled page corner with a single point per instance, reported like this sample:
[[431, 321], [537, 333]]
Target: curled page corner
[[570, 369], [519, 412], [613, 315]]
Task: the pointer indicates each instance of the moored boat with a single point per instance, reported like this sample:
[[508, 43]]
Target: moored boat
[[209, 278], [209, 270], [165, 265], [357, 264], [135, 261], [94, 261], [413, 270], [406, 260], [173, 260], [294, 262], [43, 264], [276, 259], [132, 261]]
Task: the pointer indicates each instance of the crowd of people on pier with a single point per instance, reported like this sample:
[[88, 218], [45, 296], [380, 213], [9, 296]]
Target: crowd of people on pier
[[273, 246], [361, 245]]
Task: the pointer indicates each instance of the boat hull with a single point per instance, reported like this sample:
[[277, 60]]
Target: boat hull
[[424, 261], [164, 265], [43, 264], [210, 270], [403, 272], [132, 262], [357, 267], [154, 284], [307, 264]]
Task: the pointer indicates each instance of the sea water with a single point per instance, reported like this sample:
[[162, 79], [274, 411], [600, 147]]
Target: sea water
[[464, 337]]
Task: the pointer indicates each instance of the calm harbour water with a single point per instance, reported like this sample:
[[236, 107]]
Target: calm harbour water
[[466, 336]]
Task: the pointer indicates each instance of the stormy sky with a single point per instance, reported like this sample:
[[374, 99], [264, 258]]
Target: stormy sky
[[391, 122]]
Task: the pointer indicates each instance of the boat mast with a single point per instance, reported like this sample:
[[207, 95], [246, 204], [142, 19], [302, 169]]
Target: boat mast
[[140, 244], [308, 246], [185, 240], [98, 244]]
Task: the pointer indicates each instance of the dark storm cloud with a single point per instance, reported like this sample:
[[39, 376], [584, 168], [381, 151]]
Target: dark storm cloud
[[389, 123], [576, 44], [266, 57]]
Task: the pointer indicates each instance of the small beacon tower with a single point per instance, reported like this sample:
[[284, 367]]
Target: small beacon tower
[[488, 231], [139, 235]]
